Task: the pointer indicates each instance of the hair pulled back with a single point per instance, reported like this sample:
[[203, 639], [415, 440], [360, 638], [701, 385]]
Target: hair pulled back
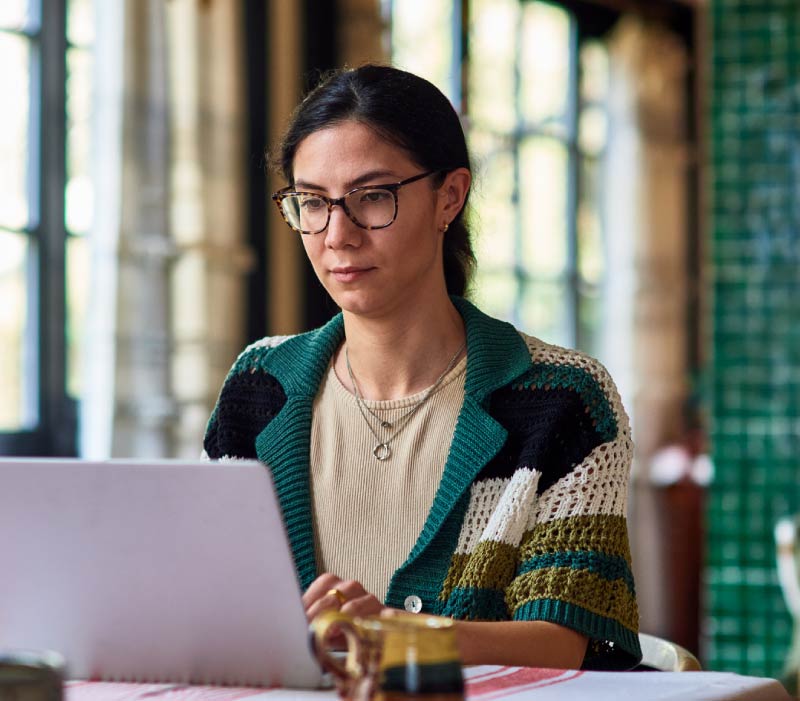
[[406, 110]]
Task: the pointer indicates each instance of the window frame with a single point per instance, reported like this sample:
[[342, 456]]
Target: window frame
[[54, 432], [571, 275]]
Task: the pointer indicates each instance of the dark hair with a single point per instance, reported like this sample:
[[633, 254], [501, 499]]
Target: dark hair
[[406, 110]]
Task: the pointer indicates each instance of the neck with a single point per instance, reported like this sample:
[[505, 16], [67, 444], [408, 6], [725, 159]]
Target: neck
[[399, 356]]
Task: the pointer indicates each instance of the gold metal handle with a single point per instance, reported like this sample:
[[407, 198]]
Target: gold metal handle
[[321, 626]]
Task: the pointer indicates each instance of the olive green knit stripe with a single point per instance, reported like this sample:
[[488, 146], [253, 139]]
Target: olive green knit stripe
[[546, 376], [492, 565], [608, 567], [458, 564], [603, 533], [607, 598], [590, 623]]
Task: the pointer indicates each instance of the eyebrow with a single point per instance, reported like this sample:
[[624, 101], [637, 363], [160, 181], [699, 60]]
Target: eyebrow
[[362, 179]]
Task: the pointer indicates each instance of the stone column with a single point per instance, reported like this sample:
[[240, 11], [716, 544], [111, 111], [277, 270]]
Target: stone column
[[645, 298], [363, 33], [208, 216], [143, 406], [285, 251]]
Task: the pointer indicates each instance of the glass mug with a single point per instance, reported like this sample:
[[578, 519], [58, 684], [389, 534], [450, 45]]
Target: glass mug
[[393, 658], [27, 675]]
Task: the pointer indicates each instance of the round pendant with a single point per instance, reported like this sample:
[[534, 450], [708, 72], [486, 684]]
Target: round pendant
[[386, 424], [382, 451]]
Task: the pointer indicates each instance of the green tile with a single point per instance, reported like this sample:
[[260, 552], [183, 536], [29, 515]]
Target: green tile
[[754, 383]]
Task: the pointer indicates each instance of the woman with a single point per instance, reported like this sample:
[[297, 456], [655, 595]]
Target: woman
[[426, 456]]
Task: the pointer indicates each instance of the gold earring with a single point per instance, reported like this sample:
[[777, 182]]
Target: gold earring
[[446, 227]]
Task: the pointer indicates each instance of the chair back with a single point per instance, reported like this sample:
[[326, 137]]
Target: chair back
[[787, 540], [664, 656]]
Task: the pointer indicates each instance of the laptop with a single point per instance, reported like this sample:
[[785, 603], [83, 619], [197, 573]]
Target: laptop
[[160, 571]]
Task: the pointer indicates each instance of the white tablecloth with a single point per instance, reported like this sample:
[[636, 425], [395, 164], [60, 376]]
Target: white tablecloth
[[486, 684]]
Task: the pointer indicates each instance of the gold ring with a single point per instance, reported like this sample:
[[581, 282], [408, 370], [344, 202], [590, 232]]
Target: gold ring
[[338, 594]]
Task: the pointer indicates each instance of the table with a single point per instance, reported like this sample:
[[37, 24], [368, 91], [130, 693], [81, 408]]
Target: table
[[486, 683]]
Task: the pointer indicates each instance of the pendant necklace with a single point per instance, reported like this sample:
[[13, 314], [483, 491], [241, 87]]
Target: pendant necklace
[[382, 451]]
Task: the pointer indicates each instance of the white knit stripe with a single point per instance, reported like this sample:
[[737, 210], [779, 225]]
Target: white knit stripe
[[266, 342], [484, 496], [509, 519], [225, 458], [597, 486]]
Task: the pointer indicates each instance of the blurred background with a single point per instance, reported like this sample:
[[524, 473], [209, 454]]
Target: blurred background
[[637, 171]]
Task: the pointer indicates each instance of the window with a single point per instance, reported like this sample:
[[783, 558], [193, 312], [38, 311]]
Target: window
[[45, 214], [531, 90]]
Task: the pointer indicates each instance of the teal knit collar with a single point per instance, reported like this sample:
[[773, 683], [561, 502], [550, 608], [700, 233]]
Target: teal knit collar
[[495, 354]]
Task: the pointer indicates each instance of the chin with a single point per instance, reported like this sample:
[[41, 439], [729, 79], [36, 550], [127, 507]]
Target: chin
[[358, 302]]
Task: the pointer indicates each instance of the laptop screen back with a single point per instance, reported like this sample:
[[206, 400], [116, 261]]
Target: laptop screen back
[[163, 571]]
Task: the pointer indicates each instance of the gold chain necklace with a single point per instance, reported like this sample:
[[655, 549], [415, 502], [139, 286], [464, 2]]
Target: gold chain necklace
[[382, 451]]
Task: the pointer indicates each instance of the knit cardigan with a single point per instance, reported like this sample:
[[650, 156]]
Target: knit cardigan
[[528, 522]]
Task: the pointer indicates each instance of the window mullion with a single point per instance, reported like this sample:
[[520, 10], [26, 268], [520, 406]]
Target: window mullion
[[57, 418], [573, 184], [521, 278]]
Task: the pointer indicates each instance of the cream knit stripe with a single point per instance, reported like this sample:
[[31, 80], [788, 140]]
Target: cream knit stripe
[[483, 499], [599, 485], [368, 514]]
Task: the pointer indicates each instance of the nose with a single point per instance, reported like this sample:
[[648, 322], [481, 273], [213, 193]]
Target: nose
[[341, 231]]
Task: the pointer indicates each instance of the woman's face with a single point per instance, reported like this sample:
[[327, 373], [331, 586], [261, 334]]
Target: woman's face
[[372, 272]]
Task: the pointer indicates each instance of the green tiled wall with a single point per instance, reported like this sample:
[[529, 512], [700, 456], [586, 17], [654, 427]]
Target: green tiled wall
[[755, 367]]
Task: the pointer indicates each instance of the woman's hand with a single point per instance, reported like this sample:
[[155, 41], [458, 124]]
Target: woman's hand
[[354, 600]]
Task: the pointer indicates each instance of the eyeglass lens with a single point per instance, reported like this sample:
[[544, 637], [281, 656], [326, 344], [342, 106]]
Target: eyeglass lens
[[371, 208]]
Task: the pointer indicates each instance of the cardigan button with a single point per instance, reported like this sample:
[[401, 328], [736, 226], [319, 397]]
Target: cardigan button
[[413, 604]]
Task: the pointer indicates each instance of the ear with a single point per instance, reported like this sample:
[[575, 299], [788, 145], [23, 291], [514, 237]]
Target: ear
[[452, 195]]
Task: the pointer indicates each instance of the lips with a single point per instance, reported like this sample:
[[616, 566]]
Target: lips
[[350, 273]]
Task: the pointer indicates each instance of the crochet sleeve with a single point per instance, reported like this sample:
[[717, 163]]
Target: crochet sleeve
[[574, 563]]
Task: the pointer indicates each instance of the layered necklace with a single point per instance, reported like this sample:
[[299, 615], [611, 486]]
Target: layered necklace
[[382, 451]]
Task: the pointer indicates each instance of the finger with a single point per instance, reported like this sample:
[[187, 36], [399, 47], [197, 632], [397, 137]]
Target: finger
[[327, 602], [367, 605], [351, 589], [338, 592], [319, 587]]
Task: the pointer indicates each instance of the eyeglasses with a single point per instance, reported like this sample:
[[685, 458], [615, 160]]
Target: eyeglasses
[[370, 207]]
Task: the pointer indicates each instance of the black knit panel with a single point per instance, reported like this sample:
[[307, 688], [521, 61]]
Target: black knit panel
[[549, 430], [247, 403]]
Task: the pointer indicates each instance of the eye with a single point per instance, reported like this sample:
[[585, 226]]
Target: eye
[[312, 204], [375, 196]]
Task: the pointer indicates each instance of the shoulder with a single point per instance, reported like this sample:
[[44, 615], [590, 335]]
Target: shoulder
[[254, 355], [562, 362], [298, 361], [554, 367]]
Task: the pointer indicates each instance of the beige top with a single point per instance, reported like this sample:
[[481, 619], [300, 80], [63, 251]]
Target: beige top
[[368, 514]]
